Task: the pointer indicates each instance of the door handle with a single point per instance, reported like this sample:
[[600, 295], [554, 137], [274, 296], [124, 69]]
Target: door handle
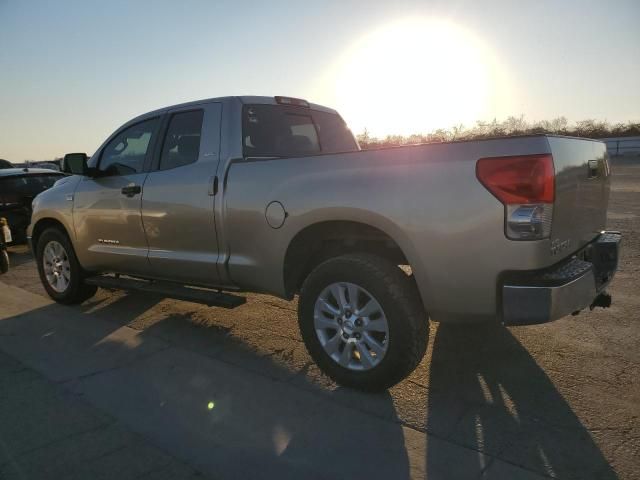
[[131, 190], [213, 185]]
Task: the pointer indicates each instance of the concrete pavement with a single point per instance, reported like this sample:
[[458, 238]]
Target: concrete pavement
[[48, 432], [218, 417]]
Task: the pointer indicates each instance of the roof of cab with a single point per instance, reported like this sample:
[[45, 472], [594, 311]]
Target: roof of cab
[[13, 172], [244, 99], [251, 99]]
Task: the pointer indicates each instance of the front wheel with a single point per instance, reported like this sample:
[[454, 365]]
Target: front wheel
[[362, 321], [60, 273]]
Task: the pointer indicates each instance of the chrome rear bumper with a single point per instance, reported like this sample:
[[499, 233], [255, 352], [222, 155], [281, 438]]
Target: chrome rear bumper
[[542, 296]]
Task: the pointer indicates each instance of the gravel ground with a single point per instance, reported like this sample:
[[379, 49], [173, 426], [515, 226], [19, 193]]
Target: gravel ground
[[557, 400]]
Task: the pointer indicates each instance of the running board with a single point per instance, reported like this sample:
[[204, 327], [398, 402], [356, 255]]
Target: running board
[[168, 289]]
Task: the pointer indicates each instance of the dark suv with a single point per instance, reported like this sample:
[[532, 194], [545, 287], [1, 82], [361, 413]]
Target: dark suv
[[18, 188]]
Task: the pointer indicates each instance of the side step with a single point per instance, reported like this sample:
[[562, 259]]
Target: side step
[[168, 289]]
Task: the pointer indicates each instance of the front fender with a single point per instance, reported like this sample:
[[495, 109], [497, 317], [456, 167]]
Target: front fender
[[55, 204]]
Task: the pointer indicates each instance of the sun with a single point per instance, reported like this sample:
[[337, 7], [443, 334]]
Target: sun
[[414, 76]]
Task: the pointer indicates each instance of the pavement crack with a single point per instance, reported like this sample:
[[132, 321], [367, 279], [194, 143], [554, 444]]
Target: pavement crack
[[417, 384], [279, 307], [56, 441], [491, 460], [115, 367]]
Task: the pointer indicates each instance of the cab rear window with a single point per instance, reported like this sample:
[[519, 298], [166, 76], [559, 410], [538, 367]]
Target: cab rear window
[[283, 131]]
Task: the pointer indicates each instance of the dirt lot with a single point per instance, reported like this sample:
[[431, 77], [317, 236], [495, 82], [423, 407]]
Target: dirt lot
[[557, 400]]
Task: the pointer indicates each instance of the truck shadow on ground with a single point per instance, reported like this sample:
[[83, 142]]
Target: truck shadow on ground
[[201, 406], [211, 399], [488, 394]]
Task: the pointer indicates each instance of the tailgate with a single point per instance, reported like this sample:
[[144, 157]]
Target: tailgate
[[582, 193]]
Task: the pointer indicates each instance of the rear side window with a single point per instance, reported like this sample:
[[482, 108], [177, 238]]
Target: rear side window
[[182, 142], [271, 130], [335, 136]]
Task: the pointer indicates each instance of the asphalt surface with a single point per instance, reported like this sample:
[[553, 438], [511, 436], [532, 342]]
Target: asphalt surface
[[48, 432], [198, 391]]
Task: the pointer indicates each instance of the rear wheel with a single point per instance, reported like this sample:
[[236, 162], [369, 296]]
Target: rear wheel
[[362, 321], [60, 273]]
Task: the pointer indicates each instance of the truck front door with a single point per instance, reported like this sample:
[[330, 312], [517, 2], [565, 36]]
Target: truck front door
[[106, 210]]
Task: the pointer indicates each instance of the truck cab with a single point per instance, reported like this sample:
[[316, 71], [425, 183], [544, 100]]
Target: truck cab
[[150, 206]]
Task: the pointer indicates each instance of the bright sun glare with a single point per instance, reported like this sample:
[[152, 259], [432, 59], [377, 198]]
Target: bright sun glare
[[414, 76]]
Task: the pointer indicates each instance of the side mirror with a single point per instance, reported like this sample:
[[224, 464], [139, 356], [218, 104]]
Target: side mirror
[[75, 164]]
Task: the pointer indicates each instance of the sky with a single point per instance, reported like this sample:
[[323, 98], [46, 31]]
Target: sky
[[72, 71]]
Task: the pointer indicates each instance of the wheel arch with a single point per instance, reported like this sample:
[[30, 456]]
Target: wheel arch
[[324, 239], [41, 225]]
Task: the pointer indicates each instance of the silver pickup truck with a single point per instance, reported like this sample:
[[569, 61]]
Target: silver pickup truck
[[274, 195]]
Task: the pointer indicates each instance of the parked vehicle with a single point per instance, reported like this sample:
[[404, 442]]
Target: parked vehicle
[[47, 166], [18, 188], [273, 195], [5, 239], [5, 164], [51, 165]]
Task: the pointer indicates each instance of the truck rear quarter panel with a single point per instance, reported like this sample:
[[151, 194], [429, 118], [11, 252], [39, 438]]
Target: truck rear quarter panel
[[427, 198]]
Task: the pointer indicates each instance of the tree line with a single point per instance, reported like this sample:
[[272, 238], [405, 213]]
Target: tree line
[[511, 126]]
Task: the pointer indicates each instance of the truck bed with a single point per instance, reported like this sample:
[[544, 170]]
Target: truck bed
[[428, 200]]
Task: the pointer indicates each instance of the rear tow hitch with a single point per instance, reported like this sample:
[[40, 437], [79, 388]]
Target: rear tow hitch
[[603, 301]]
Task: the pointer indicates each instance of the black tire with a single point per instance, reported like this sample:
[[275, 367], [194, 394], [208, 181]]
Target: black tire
[[397, 295], [77, 291], [4, 260]]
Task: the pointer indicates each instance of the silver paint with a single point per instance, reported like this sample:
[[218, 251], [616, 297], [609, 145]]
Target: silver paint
[[426, 198]]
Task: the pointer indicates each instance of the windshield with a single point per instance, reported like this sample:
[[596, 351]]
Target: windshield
[[283, 131]]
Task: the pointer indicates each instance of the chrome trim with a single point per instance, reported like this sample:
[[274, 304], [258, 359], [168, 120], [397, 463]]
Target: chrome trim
[[351, 326], [533, 304], [525, 305]]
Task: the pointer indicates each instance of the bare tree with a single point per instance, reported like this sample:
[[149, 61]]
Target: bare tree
[[589, 128]]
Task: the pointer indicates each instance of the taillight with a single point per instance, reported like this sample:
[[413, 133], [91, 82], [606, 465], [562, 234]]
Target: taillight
[[524, 179], [526, 186]]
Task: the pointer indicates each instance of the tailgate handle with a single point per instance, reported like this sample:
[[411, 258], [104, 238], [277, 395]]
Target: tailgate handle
[[593, 168]]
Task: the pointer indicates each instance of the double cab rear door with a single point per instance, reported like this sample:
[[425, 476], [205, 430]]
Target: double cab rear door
[[149, 211]]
